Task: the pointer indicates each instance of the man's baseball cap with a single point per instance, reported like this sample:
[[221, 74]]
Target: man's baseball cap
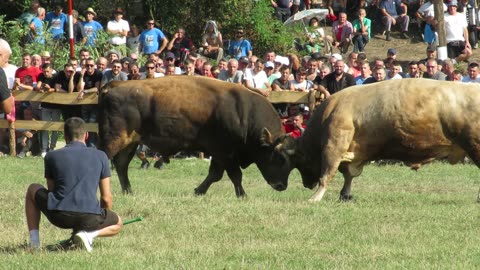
[[431, 47], [244, 60], [392, 51], [453, 3], [269, 64], [170, 55]]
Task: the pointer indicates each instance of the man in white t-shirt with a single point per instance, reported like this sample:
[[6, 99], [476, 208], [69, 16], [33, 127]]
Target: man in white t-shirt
[[119, 28], [456, 31], [260, 79]]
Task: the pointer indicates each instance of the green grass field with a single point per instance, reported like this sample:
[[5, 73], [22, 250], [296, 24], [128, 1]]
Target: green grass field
[[401, 219]]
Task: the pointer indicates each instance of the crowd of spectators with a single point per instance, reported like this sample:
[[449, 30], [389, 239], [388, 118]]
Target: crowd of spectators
[[235, 62]]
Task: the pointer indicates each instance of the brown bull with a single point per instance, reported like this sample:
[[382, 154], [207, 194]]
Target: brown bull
[[233, 124], [412, 120]]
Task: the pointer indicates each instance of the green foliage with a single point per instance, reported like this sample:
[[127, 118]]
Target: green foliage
[[263, 30]]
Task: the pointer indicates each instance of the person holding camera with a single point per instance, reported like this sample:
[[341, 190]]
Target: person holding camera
[[294, 125]]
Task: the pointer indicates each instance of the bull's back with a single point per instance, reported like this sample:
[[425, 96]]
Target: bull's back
[[184, 112], [400, 115]]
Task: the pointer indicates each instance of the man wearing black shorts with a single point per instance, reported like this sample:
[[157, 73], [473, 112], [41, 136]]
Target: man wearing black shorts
[[74, 174]]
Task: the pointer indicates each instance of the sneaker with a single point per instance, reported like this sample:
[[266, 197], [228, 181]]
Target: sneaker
[[405, 35], [145, 164], [44, 153], [388, 38], [81, 239], [22, 154], [158, 164]]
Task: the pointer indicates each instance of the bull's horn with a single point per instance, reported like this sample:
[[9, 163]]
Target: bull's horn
[[266, 138]]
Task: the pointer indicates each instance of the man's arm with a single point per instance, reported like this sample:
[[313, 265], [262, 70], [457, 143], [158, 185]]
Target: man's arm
[[105, 194], [7, 99], [164, 44]]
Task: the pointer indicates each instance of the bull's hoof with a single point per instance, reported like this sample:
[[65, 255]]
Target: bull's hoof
[[199, 192], [347, 198], [241, 196]]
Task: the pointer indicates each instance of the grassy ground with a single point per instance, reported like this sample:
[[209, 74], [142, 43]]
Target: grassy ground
[[401, 219]]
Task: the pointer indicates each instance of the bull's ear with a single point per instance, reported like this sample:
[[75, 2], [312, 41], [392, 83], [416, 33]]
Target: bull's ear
[[266, 137]]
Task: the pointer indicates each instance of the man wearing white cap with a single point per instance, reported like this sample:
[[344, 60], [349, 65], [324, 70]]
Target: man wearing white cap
[[456, 31]]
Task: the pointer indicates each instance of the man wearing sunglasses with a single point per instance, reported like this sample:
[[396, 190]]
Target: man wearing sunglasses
[[240, 47], [152, 39], [90, 80]]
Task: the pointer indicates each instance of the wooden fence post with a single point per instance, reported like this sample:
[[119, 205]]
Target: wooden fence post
[[12, 140]]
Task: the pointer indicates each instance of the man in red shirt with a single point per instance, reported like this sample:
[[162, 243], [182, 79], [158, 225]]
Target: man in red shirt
[[27, 69], [294, 126]]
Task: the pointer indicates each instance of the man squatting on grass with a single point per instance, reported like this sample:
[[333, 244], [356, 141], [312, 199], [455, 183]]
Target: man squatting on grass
[[70, 201]]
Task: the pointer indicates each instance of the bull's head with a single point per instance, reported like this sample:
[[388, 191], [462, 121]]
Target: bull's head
[[275, 166], [289, 149]]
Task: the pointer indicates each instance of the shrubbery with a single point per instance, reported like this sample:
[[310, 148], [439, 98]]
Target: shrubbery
[[263, 30]]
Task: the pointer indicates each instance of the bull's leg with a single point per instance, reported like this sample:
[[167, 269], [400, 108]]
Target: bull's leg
[[121, 161], [473, 150], [215, 173], [349, 171], [235, 175], [327, 173], [335, 151]]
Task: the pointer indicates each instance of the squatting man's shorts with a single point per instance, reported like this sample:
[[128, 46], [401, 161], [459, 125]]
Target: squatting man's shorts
[[74, 220]]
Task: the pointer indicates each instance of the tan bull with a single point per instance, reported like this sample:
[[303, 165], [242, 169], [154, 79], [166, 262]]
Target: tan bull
[[412, 120]]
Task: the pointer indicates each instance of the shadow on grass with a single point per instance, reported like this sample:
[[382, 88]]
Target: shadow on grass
[[62, 246]]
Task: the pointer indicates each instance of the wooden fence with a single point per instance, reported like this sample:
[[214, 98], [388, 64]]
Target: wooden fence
[[309, 98]]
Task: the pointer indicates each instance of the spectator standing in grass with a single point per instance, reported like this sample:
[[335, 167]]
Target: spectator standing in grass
[[56, 21], [240, 47], [79, 35], [456, 30], [91, 27], [36, 28], [282, 9], [73, 172], [133, 39], [152, 39], [118, 27]]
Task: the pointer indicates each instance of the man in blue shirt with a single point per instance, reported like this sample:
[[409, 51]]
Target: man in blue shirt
[[74, 174], [36, 27], [391, 17], [91, 27], [151, 38], [56, 22], [240, 47]]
